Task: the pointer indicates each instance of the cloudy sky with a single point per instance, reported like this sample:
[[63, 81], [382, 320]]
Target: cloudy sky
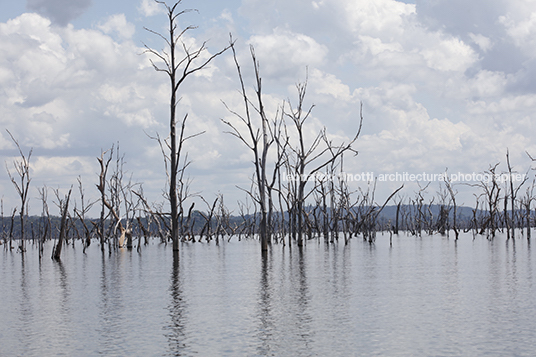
[[444, 84]]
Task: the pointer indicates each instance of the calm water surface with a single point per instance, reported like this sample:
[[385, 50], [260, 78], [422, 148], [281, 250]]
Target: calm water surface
[[429, 296]]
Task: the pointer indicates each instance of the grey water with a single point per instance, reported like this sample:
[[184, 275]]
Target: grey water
[[428, 296]]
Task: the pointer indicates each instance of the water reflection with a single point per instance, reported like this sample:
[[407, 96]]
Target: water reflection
[[265, 331], [111, 303], [511, 266], [176, 329], [25, 308], [301, 300], [64, 287], [420, 296]]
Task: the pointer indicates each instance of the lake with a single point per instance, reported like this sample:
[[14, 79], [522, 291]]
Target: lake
[[429, 296]]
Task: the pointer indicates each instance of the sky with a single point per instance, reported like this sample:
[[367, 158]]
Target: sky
[[445, 84]]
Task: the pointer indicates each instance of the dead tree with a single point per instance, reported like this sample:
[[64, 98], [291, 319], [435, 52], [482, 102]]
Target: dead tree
[[492, 195], [249, 220], [397, 217], [45, 220], [310, 155], [419, 215], [178, 66], [11, 228], [321, 189], [110, 208], [63, 205], [130, 209], [526, 202], [443, 220], [207, 227], [101, 186], [452, 193], [258, 139], [81, 214], [375, 213], [22, 167], [511, 223]]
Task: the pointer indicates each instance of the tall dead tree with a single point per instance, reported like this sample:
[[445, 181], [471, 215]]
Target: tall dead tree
[[81, 213], [63, 205], [452, 193], [45, 220], [258, 139], [511, 223], [526, 202], [22, 185], [101, 186], [179, 62], [397, 215]]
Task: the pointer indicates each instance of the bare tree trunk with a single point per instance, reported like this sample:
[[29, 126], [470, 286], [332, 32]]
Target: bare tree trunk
[[177, 69], [64, 206], [22, 168], [259, 142], [43, 192], [397, 217], [11, 228], [452, 194], [111, 207]]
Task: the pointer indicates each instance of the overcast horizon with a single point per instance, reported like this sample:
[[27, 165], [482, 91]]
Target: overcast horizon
[[444, 84]]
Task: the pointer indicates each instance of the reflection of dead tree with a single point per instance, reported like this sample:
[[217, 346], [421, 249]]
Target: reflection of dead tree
[[22, 168], [4, 237], [178, 69]]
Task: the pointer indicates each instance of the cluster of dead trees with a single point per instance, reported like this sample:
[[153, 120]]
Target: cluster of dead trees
[[286, 160], [330, 210], [503, 203], [298, 190]]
